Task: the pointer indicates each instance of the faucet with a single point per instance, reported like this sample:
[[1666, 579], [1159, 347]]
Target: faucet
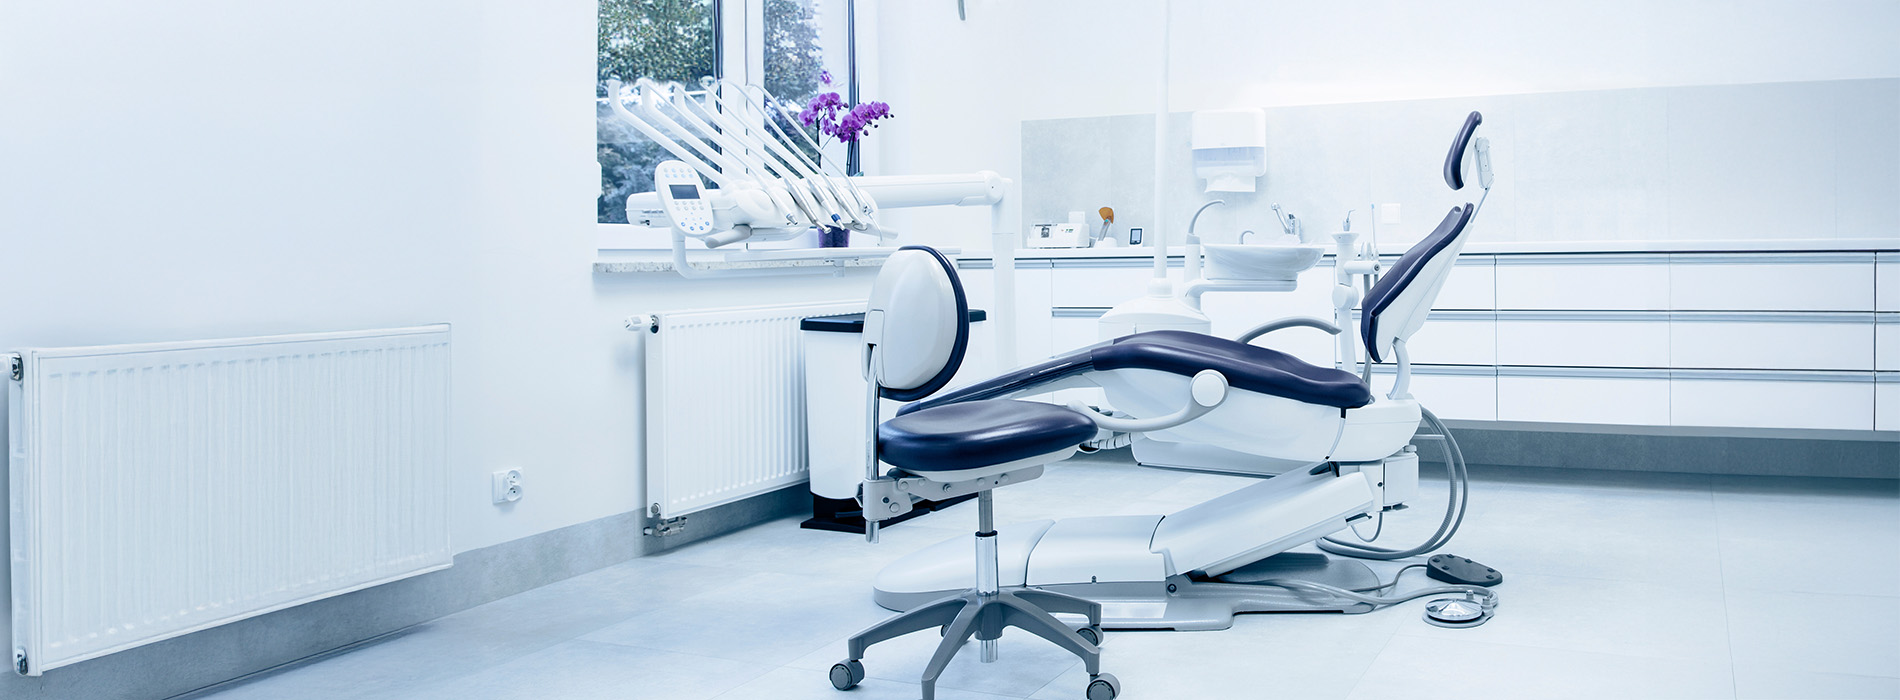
[[1289, 223], [1192, 264], [1243, 236], [1197, 215]]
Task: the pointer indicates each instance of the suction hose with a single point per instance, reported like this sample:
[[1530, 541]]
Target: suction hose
[[1459, 484]]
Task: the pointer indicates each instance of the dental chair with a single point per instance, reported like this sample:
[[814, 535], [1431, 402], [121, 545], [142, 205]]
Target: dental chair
[[1198, 567], [915, 331]]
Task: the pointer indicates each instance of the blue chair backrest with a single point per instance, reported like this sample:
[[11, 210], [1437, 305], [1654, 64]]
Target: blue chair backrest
[[1398, 304]]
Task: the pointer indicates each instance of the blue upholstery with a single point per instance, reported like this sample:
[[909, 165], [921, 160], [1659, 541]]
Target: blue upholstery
[[1405, 270], [1247, 367], [979, 434], [1454, 160]]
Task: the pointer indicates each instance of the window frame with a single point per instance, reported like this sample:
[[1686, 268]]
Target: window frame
[[739, 54]]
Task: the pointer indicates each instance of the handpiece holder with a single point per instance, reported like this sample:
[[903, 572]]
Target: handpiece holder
[[1349, 260]]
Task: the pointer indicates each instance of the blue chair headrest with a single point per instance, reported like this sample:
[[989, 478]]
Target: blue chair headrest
[[1454, 161]]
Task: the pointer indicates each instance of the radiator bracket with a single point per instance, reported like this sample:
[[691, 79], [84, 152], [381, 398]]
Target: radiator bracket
[[663, 527]]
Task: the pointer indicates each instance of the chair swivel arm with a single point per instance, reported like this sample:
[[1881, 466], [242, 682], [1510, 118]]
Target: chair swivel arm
[[1292, 322], [1207, 390]]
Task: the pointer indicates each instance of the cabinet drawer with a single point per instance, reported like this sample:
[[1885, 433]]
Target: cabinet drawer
[[1455, 338], [1887, 403], [1032, 306], [1767, 341], [1887, 283], [1638, 398], [1773, 400], [1781, 282], [1583, 340], [1472, 285], [1583, 282], [1104, 283], [1071, 328], [1461, 396], [1887, 343]]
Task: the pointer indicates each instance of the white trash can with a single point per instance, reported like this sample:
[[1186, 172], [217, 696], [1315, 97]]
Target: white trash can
[[835, 422]]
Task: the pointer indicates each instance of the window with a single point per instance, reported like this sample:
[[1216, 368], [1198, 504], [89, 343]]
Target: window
[[788, 46]]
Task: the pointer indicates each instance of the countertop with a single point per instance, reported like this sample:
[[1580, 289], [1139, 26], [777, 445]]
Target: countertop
[[1525, 247]]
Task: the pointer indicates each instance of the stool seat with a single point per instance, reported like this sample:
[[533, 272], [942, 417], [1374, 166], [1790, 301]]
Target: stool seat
[[977, 434]]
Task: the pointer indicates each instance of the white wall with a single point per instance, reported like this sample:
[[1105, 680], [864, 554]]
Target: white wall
[[213, 168], [217, 168], [963, 89]]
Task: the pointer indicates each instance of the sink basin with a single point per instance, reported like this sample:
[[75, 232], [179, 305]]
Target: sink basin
[[1227, 261]]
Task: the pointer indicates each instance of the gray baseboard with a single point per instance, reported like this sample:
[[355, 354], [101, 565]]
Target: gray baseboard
[[196, 661], [1856, 456]]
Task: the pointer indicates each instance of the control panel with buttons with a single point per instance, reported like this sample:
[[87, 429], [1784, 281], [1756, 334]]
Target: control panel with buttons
[[684, 199]]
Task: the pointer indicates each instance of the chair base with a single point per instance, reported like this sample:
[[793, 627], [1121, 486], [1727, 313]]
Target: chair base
[[983, 616]]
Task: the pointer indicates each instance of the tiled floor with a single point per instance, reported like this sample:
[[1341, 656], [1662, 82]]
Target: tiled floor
[[1618, 586]]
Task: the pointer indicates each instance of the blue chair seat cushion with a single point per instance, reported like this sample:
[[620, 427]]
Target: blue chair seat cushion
[[1247, 367], [977, 434]]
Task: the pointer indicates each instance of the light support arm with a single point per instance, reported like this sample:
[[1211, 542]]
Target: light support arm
[[615, 101]]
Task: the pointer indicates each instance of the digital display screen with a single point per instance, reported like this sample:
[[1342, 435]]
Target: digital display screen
[[684, 191]]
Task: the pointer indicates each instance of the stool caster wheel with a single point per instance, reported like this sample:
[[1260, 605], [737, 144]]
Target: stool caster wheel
[[845, 675], [1092, 633], [1104, 687]]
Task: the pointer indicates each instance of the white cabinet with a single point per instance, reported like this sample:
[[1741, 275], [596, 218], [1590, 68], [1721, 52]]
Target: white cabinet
[[1072, 328], [1461, 393], [1583, 339], [1738, 340], [1102, 283], [1887, 402], [1455, 338], [1032, 304], [1772, 282], [1887, 343], [1471, 286], [1608, 282], [1069, 330], [1887, 283], [1771, 341], [1605, 397], [1772, 400]]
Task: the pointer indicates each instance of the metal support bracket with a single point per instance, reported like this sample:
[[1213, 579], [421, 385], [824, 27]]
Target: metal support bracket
[[16, 367], [663, 527], [888, 498]]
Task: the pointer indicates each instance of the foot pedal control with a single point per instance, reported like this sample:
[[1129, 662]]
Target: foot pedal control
[[1476, 607], [1457, 613], [1459, 570]]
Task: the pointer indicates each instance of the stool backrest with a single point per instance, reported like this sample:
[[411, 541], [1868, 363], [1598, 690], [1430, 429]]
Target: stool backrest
[[917, 322]]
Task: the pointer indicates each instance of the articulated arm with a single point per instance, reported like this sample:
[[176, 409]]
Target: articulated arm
[[1207, 390], [1291, 322]]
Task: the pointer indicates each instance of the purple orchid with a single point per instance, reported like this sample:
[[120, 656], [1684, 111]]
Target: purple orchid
[[856, 122]]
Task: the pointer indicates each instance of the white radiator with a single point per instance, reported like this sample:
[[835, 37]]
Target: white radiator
[[725, 403], [161, 489]]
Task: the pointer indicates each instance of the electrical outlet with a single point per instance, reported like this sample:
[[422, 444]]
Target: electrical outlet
[[507, 487]]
